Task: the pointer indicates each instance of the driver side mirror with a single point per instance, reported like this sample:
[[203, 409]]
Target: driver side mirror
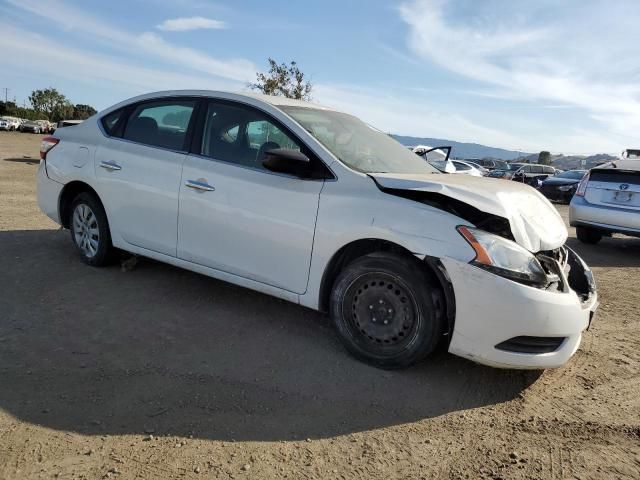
[[284, 160]]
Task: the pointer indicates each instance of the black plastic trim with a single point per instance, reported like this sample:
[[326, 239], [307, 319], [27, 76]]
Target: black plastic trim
[[532, 345]]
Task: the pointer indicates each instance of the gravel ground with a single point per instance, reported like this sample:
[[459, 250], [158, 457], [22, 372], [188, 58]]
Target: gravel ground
[[161, 373]]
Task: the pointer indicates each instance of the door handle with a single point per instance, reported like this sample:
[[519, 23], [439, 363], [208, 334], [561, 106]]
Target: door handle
[[110, 166], [195, 184]]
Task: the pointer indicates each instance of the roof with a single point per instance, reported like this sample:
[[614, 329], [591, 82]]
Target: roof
[[280, 101], [276, 101]]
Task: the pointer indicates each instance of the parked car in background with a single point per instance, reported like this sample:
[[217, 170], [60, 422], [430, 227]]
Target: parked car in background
[[438, 157], [607, 200], [9, 123], [533, 174], [314, 206], [47, 126], [507, 172], [32, 126], [490, 164], [466, 168], [480, 168], [562, 186]]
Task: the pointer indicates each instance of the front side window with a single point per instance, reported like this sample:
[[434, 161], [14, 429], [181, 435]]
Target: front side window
[[357, 144], [241, 135], [160, 124], [536, 169]]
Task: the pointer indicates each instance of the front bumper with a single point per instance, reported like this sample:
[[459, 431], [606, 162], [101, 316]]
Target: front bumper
[[491, 310], [611, 219]]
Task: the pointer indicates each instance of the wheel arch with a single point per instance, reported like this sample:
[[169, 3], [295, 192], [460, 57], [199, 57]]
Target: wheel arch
[[358, 248], [70, 191]]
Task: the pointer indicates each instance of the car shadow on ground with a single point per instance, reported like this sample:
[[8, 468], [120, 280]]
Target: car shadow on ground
[[163, 350], [27, 160]]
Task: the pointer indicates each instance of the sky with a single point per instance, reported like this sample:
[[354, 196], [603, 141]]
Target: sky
[[558, 75]]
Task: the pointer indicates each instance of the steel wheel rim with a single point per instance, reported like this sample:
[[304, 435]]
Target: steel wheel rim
[[381, 313], [85, 230]]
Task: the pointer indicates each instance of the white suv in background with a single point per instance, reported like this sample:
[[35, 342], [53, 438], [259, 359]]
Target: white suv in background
[[9, 124], [314, 206]]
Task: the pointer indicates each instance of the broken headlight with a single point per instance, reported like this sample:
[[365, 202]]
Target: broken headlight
[[504, 257]]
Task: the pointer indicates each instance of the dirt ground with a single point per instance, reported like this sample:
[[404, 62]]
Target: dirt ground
[[158, 373]]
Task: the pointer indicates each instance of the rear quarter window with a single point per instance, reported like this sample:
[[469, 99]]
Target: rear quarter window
[[111, 121]]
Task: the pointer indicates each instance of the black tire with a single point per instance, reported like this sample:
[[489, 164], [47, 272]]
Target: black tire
[[387, 311], [101, 245], [588, 235]]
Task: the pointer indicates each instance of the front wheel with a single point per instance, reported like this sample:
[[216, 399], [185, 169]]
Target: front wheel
[[90, 230], [588, 235], [387, 310]]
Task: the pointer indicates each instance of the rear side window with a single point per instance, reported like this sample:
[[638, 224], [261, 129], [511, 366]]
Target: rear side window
[[111, 121], [461, 166], [615, 176], [536, 169], [160, 124], [549, 170]]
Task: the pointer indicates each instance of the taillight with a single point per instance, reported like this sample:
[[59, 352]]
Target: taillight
[[582, 186], [47, 144]]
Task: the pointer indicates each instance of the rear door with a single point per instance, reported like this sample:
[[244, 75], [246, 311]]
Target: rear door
[[139, 171], [614, 187]]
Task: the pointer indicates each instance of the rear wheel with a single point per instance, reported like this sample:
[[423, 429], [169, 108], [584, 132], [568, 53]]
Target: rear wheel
[[387, 310], [90, 230], [588, 235]]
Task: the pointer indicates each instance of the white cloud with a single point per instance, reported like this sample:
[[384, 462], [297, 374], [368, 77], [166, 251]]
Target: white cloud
[[184, 24], [589, 61], [406, 116], [100, 71], [148, 43], [519, 63]]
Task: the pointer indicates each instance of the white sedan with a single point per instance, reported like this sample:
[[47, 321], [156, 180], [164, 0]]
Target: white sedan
[[314, 206], [466, 168]]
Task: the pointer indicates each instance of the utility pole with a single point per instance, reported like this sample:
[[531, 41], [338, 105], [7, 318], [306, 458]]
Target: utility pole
[[6, 94]]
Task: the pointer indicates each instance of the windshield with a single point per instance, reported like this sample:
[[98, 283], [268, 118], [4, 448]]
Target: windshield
[[515, 166], [357, 144], [573, 174]]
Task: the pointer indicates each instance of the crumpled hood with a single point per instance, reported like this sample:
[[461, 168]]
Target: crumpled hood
[[535, 223]]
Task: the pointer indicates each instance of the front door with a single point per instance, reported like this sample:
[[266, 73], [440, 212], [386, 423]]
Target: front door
[[235, 215]]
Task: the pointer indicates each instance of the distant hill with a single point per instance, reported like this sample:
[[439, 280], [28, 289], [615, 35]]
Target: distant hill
[[475, 150], [571, 162], [463, 150]]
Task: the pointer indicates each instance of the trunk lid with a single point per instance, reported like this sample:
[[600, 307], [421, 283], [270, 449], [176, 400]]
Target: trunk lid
[[614, 187], [535, 224]]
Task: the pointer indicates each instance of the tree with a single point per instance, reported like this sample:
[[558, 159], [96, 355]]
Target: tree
[[82, 112], [50, 102], [544, 158], [283, 79]]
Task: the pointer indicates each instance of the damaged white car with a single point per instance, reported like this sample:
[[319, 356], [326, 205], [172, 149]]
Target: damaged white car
[[314, 206]]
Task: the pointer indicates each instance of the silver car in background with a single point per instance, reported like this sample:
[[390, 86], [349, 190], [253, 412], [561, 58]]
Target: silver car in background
[[607, 200]]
